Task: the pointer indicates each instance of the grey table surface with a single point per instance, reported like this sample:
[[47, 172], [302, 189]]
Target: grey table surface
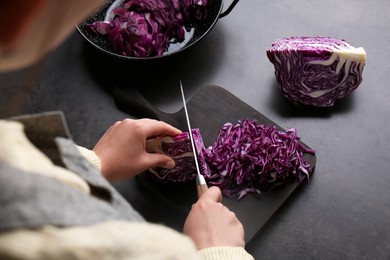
[[344, 212]]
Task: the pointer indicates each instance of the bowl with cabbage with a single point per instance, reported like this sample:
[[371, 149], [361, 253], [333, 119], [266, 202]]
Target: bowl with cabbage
[[151, 29]]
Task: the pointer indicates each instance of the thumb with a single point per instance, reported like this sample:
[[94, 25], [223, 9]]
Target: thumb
[[212, 194]]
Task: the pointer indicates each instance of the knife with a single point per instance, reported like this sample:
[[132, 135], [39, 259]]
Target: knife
[[200, 181]]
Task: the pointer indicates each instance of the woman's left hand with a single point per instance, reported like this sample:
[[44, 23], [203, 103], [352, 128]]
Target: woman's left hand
[[122, 149]]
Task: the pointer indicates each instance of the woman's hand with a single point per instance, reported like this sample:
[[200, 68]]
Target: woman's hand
[[122, 149], [211, 224]]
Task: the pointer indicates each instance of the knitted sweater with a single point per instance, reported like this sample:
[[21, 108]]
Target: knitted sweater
[[58, 205]]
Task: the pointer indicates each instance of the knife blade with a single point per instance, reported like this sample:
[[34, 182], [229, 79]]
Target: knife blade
[[200, 181]]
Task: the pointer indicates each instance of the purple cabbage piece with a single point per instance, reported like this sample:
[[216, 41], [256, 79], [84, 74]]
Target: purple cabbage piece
[[179, 148], [145, 28], [246, 157], [316, 71], [252, 157]]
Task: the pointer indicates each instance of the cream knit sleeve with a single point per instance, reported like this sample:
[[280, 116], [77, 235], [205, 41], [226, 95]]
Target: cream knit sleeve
[[109, 240], [91, 157], [224, 253], [104, 241]]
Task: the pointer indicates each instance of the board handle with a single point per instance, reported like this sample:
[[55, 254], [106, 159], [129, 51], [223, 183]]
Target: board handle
[[131, 101]]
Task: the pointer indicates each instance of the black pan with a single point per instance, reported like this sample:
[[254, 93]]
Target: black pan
[[214, 12]]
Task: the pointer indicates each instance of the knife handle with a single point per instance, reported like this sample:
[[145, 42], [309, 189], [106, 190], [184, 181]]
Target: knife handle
[[201, 188]]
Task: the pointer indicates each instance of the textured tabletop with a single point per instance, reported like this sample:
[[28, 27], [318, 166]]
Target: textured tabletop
[[344, 211]]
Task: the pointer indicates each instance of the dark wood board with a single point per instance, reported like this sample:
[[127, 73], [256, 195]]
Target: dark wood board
[[208, 109]]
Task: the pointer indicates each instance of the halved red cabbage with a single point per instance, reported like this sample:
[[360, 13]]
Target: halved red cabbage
[[246, 157], [316, 70], [145, 28], [180, 149]]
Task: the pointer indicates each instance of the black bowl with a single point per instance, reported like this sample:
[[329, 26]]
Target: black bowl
[[198, 31]]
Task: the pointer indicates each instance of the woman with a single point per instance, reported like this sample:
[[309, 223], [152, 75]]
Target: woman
[[58, 203]]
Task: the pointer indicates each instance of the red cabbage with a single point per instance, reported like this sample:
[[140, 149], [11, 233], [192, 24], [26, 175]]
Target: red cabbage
[[316, 70], [252, 157], [180, 149], [246, 157], [145, 28]]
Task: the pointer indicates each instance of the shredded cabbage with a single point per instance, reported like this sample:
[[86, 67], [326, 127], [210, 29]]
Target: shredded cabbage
[[252, 157], [246, 157], [316, 70], [145, 28]]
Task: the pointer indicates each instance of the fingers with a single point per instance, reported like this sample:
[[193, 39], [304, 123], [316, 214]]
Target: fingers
[[161, 128], [159, 160], [212, 194], [151, 127], [123, 152], [211, 224]]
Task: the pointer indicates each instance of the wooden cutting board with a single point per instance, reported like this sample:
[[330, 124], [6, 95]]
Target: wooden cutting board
[[208, 109]]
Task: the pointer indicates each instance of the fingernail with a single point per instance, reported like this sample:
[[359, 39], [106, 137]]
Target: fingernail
[[170, 164]]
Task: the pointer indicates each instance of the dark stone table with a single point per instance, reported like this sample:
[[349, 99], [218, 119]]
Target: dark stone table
[[344, 212]]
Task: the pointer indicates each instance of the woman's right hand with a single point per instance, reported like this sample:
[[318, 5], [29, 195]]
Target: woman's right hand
[[212, 224]]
